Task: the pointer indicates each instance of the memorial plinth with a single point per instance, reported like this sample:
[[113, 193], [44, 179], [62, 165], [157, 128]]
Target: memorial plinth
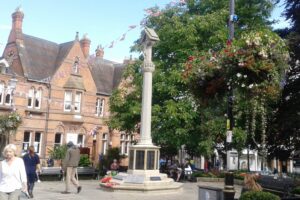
[[143, 170]]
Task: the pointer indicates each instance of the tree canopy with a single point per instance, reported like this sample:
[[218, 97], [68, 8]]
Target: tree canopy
[[179, 115]]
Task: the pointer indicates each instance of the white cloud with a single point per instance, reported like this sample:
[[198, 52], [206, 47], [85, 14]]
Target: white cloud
[[4, 27]]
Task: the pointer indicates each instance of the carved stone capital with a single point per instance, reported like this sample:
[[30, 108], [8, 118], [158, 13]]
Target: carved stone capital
[[148, 67]]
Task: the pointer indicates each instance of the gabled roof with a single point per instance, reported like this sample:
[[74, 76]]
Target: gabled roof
[[106, 74], [40, 58]]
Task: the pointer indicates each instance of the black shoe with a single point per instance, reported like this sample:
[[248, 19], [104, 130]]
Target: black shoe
[[65, 192], [30, 194], [79, 189]]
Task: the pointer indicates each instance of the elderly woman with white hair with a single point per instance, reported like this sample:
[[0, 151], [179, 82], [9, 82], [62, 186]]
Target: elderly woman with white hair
[[13, 178]]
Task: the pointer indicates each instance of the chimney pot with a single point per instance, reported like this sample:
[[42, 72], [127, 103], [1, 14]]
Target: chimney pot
[[85, 44], [100, 51], [17, 19]]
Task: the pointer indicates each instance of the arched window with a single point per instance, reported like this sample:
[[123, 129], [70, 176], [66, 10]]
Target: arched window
[[75, 68], [2, 86], [34, 98], [8, 99], [38, 98], [30, 98], [100, 107]]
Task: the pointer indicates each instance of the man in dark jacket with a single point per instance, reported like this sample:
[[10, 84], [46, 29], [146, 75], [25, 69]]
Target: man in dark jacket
[[32, 164], [70, 164]]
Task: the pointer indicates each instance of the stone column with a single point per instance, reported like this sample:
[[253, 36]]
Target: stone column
[[147, 69], [149, 40]]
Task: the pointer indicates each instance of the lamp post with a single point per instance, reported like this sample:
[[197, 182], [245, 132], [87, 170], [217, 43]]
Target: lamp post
[[228, 191], [12, 84]]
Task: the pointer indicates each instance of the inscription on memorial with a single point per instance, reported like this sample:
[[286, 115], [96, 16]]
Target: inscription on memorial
[[155, 178], [134, 179]]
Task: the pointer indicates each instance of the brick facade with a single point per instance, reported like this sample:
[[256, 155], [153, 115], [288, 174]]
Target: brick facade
[[57, 93]]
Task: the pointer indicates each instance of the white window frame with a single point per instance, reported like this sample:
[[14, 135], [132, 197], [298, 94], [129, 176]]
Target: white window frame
[[30, 98], [104, 143], [122, 143], [2, 92], [97, 107], [83, 138], [26, 144], [60, 140], [77, 102], [38, 98], [126, 140], [101, 107], [37, 144], [68, 102], [9, 94]]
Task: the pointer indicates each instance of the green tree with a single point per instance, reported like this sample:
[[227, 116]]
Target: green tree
[[286, 127], [180, 117]]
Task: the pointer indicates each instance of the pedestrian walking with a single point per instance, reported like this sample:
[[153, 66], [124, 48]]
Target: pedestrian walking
[[32, 166], [70, 164], [13, 179]]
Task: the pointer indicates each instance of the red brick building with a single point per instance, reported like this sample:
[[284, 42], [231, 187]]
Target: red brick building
[[62, 93]]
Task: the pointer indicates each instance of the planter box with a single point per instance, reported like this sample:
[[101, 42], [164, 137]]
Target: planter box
[[209, 179], [238, 182]]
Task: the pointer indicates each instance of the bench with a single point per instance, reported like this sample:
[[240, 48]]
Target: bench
[[87, 171], [51, 173], [277, 185]]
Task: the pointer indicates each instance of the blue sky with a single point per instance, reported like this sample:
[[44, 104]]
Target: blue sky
[[103, 21]]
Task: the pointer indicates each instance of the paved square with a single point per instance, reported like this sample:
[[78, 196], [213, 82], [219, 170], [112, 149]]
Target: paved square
[[51, 190]]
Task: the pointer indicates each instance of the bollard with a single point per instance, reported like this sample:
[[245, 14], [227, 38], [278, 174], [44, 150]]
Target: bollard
[[228, 192]]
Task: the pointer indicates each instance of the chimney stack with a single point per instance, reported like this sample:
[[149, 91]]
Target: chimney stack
[[17, 19], [85, 43], [99, 51]]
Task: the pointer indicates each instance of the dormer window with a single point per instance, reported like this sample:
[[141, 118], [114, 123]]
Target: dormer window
[[34, 98], [100, 107], [75, 68]]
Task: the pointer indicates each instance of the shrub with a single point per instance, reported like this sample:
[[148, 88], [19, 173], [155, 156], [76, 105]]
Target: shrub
[[58, 153], [254, 195], [296, 190], [84, 161]]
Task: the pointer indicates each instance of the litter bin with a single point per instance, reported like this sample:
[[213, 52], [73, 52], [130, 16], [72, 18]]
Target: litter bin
[[210, 193]]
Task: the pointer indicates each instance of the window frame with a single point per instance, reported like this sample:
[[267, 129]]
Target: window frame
[[60, 139], [30, 97], [104, 143], [2, 93], [77, 102], [68, 102], [38, 97], [24, 150]]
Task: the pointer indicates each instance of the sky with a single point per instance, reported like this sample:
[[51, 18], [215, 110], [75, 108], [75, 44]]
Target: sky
[[108, 23]]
